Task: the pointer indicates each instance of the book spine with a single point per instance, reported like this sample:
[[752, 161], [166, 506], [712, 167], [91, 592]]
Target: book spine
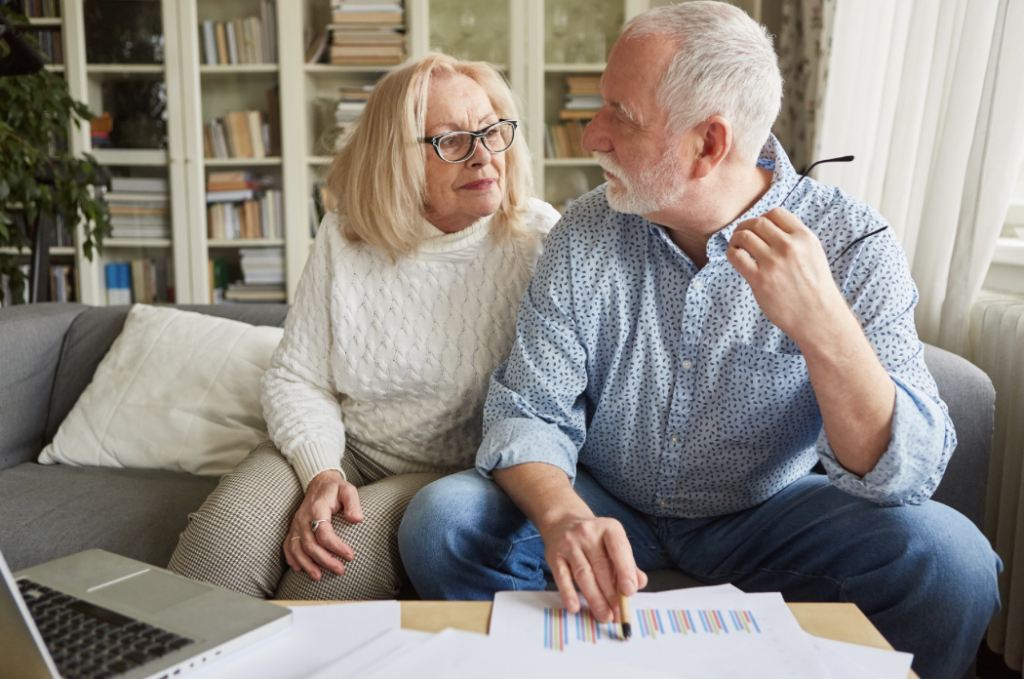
[[210, 42], [222, 44], [232, 43]]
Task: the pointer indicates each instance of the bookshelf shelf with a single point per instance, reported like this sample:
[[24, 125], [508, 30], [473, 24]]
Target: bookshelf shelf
[[55, 68], [135, 243], [42, 22], [321, 160], [574, 68], [571, 162], [133, 69], [332, 69], [246, 243], [131, 157], [233, 69], [242, 162]]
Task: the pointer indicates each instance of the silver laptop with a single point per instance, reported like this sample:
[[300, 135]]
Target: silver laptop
[[95, 614]]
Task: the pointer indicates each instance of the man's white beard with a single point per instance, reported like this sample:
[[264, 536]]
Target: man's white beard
[[653, 189]]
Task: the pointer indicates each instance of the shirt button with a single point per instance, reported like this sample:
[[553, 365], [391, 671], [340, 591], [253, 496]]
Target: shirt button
[[687, 364], [673, 438], [698, 285], [662, 503]]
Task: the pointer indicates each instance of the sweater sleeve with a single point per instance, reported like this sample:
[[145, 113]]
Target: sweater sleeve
[[300, 403]]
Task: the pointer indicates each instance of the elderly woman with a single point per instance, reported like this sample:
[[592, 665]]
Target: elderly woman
[[407, 304]]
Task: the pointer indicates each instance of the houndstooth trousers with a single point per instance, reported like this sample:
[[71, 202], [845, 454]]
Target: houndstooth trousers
[[236, 538]]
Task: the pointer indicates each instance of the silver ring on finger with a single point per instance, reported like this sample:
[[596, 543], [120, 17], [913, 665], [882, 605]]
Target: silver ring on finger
[[317, 523]]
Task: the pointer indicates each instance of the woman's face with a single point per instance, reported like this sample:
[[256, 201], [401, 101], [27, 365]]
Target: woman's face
[[459, 194]]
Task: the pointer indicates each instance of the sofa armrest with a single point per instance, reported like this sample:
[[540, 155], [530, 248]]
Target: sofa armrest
[[971, 398], [31, 337]]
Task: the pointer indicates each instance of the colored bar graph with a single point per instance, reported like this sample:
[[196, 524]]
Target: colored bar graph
[[562, 629]]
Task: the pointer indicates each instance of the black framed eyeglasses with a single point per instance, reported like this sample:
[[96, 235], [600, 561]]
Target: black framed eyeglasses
[[455, 147]]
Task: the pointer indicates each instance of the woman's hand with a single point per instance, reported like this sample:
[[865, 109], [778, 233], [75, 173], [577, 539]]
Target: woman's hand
[[328, 494]]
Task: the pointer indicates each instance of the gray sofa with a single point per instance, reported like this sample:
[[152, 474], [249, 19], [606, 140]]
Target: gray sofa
[[48, 353]]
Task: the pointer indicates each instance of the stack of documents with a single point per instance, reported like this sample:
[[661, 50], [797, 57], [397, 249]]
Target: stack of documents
[[701, 632]]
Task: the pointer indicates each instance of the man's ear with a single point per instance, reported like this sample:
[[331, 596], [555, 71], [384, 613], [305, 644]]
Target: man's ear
[[713, 144]]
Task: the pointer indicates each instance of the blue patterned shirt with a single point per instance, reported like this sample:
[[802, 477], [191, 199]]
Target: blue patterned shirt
[[671, 386]]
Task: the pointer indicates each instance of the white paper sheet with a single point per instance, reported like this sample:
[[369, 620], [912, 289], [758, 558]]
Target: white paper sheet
[[453, 654], [852, 661], [682, 633], [317, 636], [374, 654]]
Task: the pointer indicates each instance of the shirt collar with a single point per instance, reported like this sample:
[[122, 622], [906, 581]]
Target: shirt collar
[[772, 157]]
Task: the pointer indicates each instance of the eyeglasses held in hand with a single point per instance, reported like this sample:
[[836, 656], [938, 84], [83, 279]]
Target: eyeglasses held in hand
[[841, 159], [455, 147]]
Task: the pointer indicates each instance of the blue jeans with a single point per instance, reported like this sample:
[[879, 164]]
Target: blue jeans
[[925, 576]]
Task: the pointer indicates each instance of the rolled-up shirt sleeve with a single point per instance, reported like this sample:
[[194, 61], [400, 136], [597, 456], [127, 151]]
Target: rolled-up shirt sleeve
[[882, 294], [535, 409]]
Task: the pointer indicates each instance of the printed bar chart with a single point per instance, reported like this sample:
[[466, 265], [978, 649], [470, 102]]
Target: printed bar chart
[[562, 628]]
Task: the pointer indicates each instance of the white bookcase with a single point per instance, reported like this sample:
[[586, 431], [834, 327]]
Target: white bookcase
[[513, 34]]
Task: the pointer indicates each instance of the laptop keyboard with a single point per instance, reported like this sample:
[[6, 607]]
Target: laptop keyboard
[[90, 642]]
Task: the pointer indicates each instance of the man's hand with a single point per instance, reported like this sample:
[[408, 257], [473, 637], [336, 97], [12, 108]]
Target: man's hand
[[784, 264], [596, 555], [579, 547], [328, 494]]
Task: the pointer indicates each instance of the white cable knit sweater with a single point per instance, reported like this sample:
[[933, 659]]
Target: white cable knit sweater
[[397, 357]]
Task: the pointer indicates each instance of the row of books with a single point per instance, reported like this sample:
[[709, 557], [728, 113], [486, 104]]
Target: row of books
[[41, 9], [244, 134], [140, 281], [255, 218], [51, 45], [139, 207], [565, 140], [62, 277], [367, 33], [252, 40]]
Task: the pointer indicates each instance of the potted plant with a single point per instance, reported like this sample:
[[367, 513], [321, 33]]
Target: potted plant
[[37, 173]]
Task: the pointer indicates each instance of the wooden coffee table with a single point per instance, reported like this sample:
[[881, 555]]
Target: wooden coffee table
[[842, 622]]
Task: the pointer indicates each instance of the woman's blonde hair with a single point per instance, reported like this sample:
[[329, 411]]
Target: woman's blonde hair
[[378, 180]]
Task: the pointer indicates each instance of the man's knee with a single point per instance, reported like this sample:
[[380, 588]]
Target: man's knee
[[940, 556], [440, 514]]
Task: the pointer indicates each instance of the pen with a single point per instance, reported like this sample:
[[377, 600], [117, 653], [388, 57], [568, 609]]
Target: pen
[[624, 616]]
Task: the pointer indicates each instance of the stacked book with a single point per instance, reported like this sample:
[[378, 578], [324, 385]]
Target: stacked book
[[347, 112], [367, 33], [252, 40], [142, 281], [243, 134], [582, 101], [262, 274], [241, 205], [139, 208]]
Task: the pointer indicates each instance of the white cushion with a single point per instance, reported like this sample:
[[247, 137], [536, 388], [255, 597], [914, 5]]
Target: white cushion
[[178, 390]]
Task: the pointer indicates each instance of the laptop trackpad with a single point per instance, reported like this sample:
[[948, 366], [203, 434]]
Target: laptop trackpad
[[151, 592]]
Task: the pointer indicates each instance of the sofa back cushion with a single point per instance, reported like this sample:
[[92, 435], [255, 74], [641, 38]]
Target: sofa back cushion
[[31, 337], [93, 332], [177, 390]]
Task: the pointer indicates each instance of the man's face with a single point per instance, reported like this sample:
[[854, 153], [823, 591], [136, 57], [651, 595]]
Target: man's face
[[630, 134]]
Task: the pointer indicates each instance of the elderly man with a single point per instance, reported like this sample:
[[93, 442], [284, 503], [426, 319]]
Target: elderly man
[[699, 333]]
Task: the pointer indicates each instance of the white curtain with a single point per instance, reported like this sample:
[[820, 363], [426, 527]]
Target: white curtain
[[929, 96]]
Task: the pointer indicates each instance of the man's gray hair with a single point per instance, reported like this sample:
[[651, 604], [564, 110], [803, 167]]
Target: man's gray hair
[[725, 65]]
